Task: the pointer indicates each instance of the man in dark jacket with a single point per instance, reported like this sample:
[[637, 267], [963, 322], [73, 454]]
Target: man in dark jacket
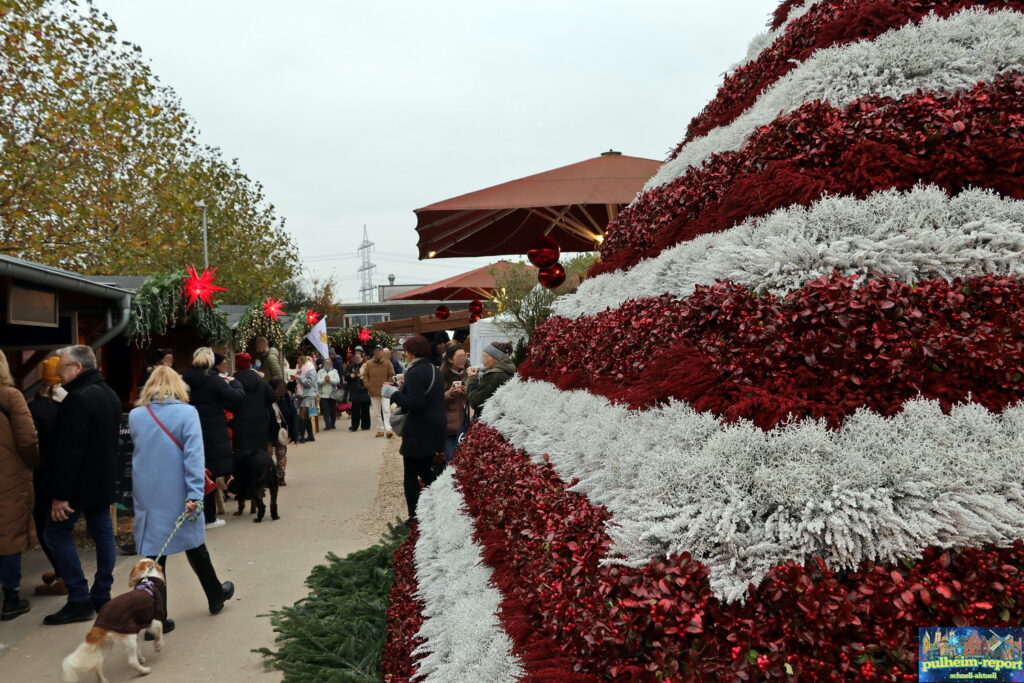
[[422, 397], [212, 394], [251, 424], [84, 470]]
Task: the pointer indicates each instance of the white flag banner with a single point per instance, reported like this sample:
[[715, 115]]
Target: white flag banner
[[318, 337]]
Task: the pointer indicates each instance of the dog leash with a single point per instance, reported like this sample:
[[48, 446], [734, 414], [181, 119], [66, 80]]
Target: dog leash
[[185, 516]]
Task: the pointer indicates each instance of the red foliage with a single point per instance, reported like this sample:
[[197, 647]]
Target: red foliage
[[661, 621], [970, 139], [405, 616], [826, 25], [822, 351]]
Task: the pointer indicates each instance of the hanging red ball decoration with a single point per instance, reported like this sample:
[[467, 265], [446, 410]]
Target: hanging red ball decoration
[[201, 287], [473, 317], [273, 308], [552, 277], [365, 335], [442, 312], [312, 317], [476, 306], [544, 252]]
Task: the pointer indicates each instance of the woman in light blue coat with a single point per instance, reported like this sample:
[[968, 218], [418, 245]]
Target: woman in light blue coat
[[168, 479]]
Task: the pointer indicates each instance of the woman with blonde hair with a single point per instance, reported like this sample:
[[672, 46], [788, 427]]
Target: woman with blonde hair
[[212, 394], [168, 479], [18, 455]]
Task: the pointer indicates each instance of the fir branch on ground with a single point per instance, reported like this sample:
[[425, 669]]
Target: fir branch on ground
[[337, 632]]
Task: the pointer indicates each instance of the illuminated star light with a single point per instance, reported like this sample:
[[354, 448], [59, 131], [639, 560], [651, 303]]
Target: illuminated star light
[[365, 335], [273, 308], [201, 287], [312, 317]]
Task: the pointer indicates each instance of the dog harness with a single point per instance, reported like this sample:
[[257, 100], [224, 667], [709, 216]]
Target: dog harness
[[135, 610]]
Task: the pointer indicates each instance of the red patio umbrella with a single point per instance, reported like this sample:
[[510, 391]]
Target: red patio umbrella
[[572, 204], [476, 284]]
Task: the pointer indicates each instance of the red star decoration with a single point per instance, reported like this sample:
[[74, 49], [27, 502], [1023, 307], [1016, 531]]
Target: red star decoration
[[273, 308], [201, 287], [365, 335], [312, 317]]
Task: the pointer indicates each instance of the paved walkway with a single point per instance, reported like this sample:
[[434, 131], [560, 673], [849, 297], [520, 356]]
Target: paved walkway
[[331, 504]]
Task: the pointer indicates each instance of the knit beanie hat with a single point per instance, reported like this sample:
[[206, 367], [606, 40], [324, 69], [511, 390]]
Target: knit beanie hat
[[494, 352], [243, 361], [48, 371], [217, 359]]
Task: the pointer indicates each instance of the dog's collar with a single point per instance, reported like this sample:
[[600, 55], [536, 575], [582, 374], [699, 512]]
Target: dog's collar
[[146, 585]]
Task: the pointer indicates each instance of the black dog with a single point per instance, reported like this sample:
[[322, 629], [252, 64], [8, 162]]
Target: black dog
[[254, 473]]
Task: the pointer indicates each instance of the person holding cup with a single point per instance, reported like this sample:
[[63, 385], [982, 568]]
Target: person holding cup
[[498, 369]]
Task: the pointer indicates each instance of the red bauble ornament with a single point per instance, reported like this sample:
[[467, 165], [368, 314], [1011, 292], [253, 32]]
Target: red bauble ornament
[[312, 317], [201, 287], [442, 312], [552, 277], [365, 335], [273, 308], [544, 252], [476, 306], [473, 317]]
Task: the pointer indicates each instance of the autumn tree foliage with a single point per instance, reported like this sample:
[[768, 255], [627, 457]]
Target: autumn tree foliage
[[100, 166]]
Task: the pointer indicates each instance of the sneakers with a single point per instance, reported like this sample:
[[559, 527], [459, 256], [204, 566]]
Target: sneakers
[[389, 434], [70, 613], [216, 524], [379, 435], [14, 606], [228, 592]]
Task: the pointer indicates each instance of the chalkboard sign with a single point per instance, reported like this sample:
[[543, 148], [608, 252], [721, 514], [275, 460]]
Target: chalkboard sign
[[123, 487]]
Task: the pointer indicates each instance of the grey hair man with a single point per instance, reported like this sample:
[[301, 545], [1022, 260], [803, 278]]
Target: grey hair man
[[84, 470]]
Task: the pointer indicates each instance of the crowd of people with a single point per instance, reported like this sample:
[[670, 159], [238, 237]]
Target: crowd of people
[[191, 432]]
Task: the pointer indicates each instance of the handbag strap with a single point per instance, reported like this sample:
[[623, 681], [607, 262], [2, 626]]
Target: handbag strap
[[166, 431]]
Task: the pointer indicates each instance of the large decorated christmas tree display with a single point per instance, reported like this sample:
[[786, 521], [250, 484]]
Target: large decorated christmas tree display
[[779, 428]]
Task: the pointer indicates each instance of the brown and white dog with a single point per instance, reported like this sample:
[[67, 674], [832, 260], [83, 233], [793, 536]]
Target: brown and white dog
[[141, 609]]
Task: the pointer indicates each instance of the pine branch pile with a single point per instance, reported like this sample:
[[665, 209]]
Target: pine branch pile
[[336, 633]]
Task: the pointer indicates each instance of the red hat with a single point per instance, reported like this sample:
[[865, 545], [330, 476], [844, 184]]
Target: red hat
[[243, 361]]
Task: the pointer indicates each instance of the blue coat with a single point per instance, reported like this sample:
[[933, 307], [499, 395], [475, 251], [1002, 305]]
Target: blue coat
[[163, 476]]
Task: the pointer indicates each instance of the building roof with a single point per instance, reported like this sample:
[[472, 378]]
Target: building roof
[[40, 273]]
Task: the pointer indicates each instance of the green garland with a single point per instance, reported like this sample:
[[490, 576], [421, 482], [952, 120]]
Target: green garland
[[159, 304], [336, 634], [348, 338], [294, 337], [254, 323]]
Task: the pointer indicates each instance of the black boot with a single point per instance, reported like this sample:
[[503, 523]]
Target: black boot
[[14, 605], [227, 592], [273, 511], [309, 429], [70, 613]]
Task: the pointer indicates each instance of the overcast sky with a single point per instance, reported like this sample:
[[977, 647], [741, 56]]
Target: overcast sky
[[357, 113]]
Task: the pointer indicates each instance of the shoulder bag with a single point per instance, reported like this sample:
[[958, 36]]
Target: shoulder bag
[[282, 431], [398, 417], [210, 486]]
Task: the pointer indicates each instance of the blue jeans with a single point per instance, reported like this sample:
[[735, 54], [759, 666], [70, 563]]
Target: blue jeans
[[69, 567], [10, 572], [451, 442]]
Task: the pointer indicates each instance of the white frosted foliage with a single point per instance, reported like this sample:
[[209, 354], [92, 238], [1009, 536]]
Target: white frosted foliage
[[743, 500], [912, 235], [465, 640]]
